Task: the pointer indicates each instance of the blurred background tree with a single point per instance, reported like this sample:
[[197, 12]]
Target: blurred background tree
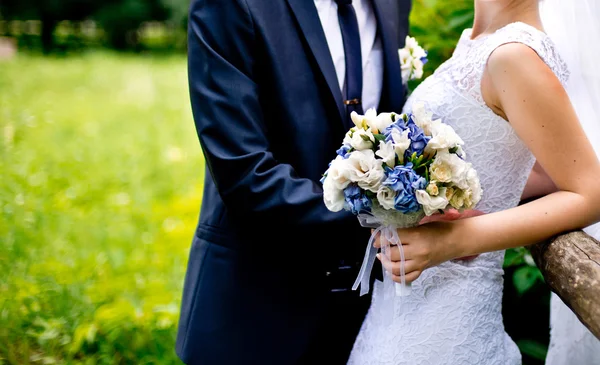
[[102, 179], [49, 13], [119, 20]]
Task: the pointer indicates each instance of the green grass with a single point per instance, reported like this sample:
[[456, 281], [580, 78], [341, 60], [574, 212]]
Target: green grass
[[101, 177]]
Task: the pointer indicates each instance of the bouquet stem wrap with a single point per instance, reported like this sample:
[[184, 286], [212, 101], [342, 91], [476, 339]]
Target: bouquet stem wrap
[[388, 237]]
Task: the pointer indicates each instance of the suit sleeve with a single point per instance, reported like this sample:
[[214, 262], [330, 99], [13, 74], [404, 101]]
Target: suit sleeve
[[231, 127]]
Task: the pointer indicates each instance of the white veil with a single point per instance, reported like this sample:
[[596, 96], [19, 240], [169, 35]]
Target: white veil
[[574, 27]]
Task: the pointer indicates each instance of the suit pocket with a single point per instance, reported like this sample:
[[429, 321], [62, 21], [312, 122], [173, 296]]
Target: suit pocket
[[219, 236]]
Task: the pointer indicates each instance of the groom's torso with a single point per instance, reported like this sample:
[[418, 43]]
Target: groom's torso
[[302, 107], [299, 82]]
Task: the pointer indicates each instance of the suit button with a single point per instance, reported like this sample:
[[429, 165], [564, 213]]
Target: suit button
[[328, 273]]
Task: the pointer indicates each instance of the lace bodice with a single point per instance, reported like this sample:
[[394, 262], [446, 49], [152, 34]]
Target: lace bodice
[[453, 315], [454, 94]]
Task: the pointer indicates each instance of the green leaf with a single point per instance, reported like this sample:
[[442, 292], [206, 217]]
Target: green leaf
[[365, 137], [533, 348], [513, 257], [379, 137], [525, 278]]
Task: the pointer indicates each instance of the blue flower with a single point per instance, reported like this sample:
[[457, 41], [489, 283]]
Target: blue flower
[[398, 124], [405, 182], [424, 58], [418, 139], [356, 200], [344, 151]]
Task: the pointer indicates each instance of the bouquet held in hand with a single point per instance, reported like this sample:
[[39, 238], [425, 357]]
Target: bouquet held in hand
[[393, 170]]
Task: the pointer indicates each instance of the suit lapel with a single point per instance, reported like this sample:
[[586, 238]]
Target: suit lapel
[[393, 93], [308, 19]]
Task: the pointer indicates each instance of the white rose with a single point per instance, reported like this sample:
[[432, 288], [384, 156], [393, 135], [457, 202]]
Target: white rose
[[405, 56], [474, 187], [431, 204], [377, 123], [417, 66], [387, 153], [440, 170], [332, 196], [458, 199], [362, 139], [348, 137], [443, 137], [422, 118], [386, 197], [448, 167], [401, 142], [406, 61], [366, 170], [449, 193], [339, 173], [419, 53], [406, 71], [364, 121], [411, 43], [432, 189], [383, 121]]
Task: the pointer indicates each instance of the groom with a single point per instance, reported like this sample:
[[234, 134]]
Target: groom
[[272, 85]]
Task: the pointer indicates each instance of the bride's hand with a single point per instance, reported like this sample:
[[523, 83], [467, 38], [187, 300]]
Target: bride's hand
[[425, 246]]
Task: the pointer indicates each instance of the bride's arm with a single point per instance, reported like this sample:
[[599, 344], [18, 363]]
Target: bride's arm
[[538, 184], [522, 88]]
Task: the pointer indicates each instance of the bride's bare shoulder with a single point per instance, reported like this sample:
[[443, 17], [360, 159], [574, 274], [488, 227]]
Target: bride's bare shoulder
[[513, 71], [519, 60]]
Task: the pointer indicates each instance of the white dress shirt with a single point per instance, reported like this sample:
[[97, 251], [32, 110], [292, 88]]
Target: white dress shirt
[[371, 49]]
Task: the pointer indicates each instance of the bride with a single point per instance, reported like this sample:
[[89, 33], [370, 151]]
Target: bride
[[504, 91]]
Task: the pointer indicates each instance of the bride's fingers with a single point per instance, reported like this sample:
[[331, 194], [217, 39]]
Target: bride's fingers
[[394, 266], [409, 278], [394, 253]]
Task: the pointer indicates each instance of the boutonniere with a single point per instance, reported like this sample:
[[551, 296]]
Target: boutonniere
[[412, 59]]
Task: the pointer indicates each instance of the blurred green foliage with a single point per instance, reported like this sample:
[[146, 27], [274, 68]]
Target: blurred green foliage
[[120, 20], [101, 184], [437, 25]]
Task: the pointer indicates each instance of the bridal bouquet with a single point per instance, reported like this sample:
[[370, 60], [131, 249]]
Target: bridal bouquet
[[393, 170]]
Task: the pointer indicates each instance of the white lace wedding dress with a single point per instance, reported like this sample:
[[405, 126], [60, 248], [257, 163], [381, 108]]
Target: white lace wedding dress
[[453, 315]]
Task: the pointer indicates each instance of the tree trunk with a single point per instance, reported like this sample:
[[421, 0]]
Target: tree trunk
[[570, 264], [47, 35]]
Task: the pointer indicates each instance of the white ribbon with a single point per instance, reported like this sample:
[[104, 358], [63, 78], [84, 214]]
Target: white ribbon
[[388, 236]]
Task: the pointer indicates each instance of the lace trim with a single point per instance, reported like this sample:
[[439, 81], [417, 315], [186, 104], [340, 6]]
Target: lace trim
[[476, 53]]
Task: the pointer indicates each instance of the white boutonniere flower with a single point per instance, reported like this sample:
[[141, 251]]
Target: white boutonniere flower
[[412, 60]]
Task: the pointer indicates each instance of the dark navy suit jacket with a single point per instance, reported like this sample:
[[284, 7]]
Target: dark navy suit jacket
[[269, 115]]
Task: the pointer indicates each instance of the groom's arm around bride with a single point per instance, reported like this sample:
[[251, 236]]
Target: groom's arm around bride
[[266, 253]]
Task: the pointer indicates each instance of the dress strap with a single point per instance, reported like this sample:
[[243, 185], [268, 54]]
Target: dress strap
[[533, 38]]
